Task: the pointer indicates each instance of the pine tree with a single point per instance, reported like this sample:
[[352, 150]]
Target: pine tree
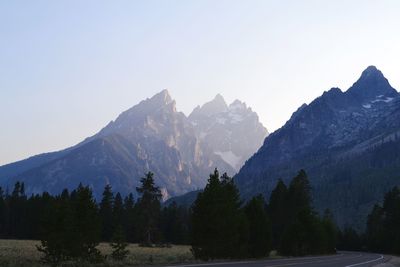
[[118, 211], [86, 225], [56, 229], [129, 220], [118, 245], [106, 213], [278, 212], [2, 213], [219, 226], [174, 224], [148, 207], [259, 228]]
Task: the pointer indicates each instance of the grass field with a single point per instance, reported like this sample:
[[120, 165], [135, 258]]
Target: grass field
[[23, 253]]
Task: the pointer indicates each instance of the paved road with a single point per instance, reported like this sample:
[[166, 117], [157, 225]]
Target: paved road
[[343, 259]]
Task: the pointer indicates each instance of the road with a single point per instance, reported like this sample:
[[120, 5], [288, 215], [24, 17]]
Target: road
[[342, 259]]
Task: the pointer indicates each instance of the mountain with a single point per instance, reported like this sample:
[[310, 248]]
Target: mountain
[[150, 136], [233, 132], [348, 143]]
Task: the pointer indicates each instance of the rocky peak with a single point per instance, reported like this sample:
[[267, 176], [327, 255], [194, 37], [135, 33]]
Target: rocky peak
[[215, 106], [371, 85], [237, 105], [163, 98]]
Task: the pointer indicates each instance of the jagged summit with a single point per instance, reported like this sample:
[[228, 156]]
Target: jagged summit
[[215, 106], [371, 85], [162, 98]]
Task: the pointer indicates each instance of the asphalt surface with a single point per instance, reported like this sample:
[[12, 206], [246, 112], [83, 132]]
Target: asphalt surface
[[342, 259]]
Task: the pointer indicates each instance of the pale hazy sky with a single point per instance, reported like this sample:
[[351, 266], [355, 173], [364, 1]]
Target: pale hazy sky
[[69, 67]]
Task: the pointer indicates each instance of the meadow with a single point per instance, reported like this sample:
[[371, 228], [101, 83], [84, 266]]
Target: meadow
[[23, 253]]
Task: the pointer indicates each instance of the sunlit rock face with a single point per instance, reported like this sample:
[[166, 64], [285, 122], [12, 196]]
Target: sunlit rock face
[[150, 136]]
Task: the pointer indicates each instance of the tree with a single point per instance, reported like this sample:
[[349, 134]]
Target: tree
[[2, 213], [148, 207], [106, 213], [383, 233], [375, 231], [56, 228], [86, 225], [174, 224], [305, 233], [259, 228], [118, 211], [129, 221], [278, 212], [118, 245], [219, 226], [331, 231]]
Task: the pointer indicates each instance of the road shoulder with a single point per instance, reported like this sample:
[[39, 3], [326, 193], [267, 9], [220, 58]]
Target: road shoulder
[[393, 262]]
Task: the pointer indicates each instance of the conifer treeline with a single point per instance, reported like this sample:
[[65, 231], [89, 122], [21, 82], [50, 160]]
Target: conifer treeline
[[382, 233], [225, 228], [23, 217], [218, 225]]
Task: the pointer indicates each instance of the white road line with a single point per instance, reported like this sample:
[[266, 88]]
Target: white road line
[[311, 262], [257, 261], [365, 262]]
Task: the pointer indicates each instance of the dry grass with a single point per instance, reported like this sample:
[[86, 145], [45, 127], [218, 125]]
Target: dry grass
[[23, 253]]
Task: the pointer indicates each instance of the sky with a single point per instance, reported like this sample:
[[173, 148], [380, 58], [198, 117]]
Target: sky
[[68, 67]]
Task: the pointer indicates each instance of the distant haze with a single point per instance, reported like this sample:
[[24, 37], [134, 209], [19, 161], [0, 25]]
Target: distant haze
[[67, 68]]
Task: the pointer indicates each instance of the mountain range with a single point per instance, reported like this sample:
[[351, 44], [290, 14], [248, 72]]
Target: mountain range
[[151, 136], [348, 143]]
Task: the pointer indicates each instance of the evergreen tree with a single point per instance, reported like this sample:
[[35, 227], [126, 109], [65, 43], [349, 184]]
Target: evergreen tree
[[106, 213], [148, 207], [174, 224], [259, 228], [86, 225], [118, 245], [349, 240], [391, 206], [56, 240], [219, 226], [129, 220], [330, 232], [2, 213], [376, 229], [118, 211], [278, 212], [305, 233]]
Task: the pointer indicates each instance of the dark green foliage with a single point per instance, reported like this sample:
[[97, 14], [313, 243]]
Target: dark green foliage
[[219, 226], [259, 243], [148, 210], [383, 231], [118, 245], [86, 225], [2, 212], [118, 211], [129, 219], [106, 213], [299, 230], [277, 210], [56, 241], [175, 224], [350, 240], [71, 228]]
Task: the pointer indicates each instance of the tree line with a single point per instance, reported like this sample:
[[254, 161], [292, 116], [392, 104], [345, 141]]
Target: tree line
[[382, 233], [224, 227], [218, 224]]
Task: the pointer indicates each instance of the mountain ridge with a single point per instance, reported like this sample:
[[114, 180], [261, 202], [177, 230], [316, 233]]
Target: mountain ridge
[[324, 137], [150, 136]]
